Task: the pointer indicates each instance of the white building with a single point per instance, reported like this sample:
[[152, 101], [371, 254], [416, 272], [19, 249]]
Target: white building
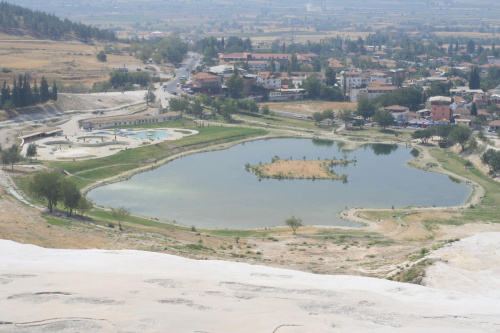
[[270, 79], [283, 95], [352, 79]]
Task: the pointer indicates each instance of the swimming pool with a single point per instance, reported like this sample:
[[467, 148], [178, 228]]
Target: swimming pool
[[151, 135]]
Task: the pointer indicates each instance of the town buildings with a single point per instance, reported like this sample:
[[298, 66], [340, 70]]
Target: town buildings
[[440, 108]]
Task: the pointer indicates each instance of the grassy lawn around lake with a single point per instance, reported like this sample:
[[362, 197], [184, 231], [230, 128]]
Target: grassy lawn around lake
[[275, 120], [105, 217], [487, 210], [55, 221], [125, 160]]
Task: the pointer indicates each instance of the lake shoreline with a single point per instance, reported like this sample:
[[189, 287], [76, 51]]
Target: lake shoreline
[[349, 215]]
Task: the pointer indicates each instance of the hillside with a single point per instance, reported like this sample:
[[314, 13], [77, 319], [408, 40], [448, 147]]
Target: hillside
[[20, 21]]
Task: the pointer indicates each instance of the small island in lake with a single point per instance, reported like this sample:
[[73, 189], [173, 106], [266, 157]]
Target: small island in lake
[[298, 169]]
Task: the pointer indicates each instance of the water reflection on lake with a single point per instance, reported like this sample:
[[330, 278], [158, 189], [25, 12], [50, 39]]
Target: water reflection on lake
[[214, 190]]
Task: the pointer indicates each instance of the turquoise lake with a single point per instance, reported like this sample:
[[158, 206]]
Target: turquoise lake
[[213, 190]]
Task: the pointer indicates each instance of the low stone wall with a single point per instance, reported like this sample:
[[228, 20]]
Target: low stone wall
[[58, 142], [101, 144], [81, 144]]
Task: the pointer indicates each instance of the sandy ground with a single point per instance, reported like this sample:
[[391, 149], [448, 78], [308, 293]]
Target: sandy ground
[[44, 290], [71, 146], [297, 169], [309, 107]]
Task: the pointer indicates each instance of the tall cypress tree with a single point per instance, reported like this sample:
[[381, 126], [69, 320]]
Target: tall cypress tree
[[54, 91], [16, 95], [5, 93], [44, 91], [473, 110], [36, 94], [474, 78], [26, 94]]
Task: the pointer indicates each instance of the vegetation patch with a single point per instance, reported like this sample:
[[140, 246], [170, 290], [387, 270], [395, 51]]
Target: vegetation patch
[[297, 169], [199, 247], [55, 221]]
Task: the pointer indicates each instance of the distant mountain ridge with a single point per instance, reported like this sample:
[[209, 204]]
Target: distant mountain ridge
[[15, 20]]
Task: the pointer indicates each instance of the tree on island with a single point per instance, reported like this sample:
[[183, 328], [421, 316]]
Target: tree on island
[[120, 214], [294, 223]]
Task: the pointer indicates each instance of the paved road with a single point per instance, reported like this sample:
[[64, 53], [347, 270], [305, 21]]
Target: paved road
[[164, 92]]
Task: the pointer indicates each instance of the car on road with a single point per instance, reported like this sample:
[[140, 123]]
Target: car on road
[[173, 93]]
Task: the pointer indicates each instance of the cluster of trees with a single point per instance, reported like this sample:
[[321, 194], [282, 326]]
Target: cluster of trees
[[368, 107], [10, 156], [210, 47], [410, 97], [21, 94], [225, 106], [383, 118], [17, 17], [235, 85], [126, 80], [13, 155], [438, 89], [320, 116], [492, 80], [170, 50], [318, 90], [474, 78], [54, 188], [492, 158], [448, 133]]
